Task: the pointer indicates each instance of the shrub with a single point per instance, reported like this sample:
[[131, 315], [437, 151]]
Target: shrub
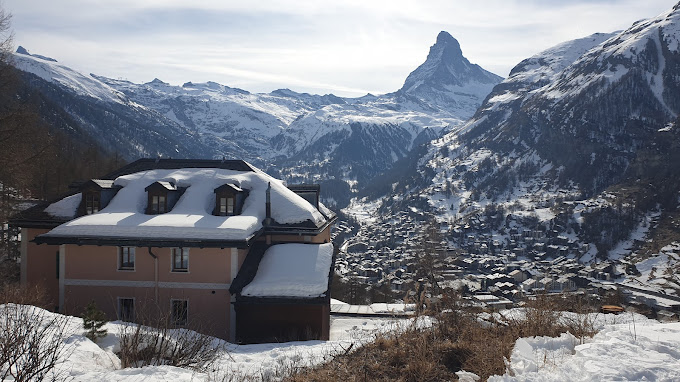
[[31, 339], [93, 321], [160, 344]]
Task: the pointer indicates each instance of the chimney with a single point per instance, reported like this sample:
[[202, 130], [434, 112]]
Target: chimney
[[268, 206]]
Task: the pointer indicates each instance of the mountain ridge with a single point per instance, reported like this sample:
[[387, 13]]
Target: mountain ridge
[[304, 137]]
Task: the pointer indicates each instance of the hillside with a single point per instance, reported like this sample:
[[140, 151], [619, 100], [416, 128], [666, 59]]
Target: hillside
[[569, 157]]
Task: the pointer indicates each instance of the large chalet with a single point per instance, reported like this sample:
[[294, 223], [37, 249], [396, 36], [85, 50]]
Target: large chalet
[[213, 245]]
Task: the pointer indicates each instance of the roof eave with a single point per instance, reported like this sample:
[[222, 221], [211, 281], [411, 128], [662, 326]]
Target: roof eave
[[293, 230], [33, 223], [145, 242], [283, 300]]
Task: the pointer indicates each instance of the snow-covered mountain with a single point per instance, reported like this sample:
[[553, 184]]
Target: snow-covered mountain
[[78, 104], [305, 137], [580, 143], [448, 80]]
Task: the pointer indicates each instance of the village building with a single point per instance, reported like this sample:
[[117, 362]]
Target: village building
[[216, 246]]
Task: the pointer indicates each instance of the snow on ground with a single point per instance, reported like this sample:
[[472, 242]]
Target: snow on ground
[[83, 360], [658, 272], [364, 211], [628, 347], [623, 248]]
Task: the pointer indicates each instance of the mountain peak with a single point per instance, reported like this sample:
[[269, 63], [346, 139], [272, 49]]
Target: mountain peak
[[446, 67], [22, 50], [157, 81], [445, 40]]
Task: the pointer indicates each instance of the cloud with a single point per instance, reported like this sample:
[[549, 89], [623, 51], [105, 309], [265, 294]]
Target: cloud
[[348, 47]]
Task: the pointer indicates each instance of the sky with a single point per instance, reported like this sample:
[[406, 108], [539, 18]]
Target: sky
[[348, 48]]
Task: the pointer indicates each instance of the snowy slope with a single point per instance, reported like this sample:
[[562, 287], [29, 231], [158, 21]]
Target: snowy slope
[[628, 347], [52, 71], [635, 349], [83, 360]]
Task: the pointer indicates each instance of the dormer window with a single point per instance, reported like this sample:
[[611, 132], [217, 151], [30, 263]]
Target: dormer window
[[162, 197], [92, 200], [226, 206], [159, 204], [97, 193], [309, 192], [229, 200]]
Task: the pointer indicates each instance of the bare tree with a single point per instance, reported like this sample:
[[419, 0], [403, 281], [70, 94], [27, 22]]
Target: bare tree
[[31, 339]]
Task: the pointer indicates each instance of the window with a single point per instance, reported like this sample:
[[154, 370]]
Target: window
[[126, 309], [91, 203], [126, 258], [226, 206], [180, 259], [180, 312], [158, 204]]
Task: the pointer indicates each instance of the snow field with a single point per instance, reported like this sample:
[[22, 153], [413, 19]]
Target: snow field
[[83, 360], [628, 347]]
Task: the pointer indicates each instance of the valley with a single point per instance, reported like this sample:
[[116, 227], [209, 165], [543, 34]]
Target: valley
[[560, 177]]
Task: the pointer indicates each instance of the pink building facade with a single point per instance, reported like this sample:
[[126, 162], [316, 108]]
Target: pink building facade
[[184, 263]]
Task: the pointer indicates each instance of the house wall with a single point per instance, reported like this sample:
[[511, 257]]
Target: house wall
[[208, 310], [256, 323], [39, 266], [92, 274]]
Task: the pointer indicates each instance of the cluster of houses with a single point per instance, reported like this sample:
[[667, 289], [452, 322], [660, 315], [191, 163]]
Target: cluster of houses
[[492, 269]]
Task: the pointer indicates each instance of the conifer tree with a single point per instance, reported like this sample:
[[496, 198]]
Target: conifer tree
[[93, 320]]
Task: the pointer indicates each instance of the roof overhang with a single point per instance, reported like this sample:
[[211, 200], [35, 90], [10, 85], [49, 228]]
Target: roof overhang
[[146, 242], [243, 300], [33, 223], [301, 231]]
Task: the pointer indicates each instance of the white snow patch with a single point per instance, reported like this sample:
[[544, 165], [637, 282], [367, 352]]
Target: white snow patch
[[86, 361], [634, 351]]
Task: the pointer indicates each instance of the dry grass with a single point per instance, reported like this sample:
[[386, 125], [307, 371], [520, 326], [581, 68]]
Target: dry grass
[[458, 340]]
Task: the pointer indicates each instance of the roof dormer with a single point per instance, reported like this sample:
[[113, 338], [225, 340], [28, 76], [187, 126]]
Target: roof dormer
[[229, 200], [162, 197], [309, 192], [97, 193]]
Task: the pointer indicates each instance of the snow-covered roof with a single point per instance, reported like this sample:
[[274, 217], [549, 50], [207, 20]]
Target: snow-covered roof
[[103, 183], [170, 186], [292, 270], [191, 218]]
